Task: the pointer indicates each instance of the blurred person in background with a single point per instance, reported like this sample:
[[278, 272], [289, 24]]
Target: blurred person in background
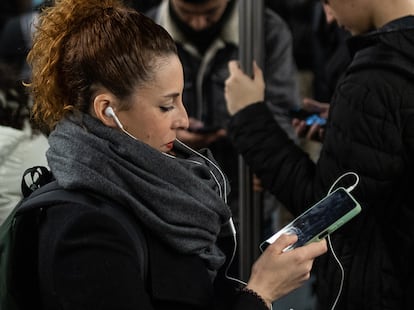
[[16, 37], [11, 8], [20, 146]]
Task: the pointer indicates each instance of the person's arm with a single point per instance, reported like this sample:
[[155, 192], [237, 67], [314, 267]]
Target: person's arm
[[282, 166]]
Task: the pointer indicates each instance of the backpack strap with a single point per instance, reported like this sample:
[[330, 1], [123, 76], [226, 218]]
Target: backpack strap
[[52, 194]]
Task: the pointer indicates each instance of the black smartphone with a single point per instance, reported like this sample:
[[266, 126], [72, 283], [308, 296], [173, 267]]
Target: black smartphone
[[320, 220]]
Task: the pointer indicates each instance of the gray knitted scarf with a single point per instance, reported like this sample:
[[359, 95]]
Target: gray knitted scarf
[[175, 198]]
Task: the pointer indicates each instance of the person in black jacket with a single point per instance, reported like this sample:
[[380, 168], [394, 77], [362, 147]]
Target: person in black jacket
[[370, 132], [107, 85]]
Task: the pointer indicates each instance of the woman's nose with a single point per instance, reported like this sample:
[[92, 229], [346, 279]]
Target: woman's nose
[[182, 121]]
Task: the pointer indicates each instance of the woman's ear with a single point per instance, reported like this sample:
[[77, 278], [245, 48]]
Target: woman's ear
[[101, 103]]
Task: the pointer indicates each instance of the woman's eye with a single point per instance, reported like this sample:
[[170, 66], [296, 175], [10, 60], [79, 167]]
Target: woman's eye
[[166, 109]]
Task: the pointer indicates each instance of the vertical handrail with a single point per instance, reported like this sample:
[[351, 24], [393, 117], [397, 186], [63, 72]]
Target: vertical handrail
[[251, 38]]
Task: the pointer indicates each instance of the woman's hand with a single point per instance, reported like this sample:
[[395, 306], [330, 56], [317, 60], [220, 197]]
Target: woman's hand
[[241, 90], [276, 273]]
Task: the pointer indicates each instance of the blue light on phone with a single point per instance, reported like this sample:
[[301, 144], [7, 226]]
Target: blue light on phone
[[315, 119]]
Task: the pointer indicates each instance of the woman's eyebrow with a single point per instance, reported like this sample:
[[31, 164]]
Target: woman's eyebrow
[[172, 95]]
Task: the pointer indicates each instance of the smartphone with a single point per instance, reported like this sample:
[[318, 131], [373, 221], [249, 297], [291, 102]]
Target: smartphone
[[320, 220], [309, 117]]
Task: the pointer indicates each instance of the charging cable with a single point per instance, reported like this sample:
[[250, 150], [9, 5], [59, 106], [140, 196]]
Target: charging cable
[[349, 189]]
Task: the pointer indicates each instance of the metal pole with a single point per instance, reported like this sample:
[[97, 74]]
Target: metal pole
[[251, 37]]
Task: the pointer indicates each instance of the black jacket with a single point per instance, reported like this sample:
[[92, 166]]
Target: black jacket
[[90, 259], [370, 131]]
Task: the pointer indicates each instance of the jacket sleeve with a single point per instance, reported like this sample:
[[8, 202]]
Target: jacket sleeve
[[283, 167]]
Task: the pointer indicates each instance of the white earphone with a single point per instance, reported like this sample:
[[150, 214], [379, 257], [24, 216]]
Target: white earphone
[[111, 113]]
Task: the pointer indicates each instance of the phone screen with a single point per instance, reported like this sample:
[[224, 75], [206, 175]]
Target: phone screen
[[321, 219]]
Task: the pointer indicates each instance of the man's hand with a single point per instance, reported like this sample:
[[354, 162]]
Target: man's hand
[[241, 90], [314, 132]]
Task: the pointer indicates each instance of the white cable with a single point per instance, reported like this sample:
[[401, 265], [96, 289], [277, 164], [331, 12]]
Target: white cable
[[342, 273], [226, 272], [111, 113], [233, 229], [211, 162], [231, 261], [223, 194], [215, 180], [349, 189], [122, 128]]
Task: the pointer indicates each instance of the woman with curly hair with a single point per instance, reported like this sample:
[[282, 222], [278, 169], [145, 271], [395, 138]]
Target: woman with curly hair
[[107, 86]]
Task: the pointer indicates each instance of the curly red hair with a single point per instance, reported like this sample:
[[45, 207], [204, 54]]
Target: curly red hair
[[80, 44]]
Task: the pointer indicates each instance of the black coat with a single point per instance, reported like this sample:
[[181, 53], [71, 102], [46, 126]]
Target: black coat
[[370, 131], [90, 259]]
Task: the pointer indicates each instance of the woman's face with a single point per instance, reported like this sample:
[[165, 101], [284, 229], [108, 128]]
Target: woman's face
[[354, 15], [157, 110]]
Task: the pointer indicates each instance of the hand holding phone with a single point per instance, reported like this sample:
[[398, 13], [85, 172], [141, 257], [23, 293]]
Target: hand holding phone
[[309, 118], [320, 220], [309, 121]]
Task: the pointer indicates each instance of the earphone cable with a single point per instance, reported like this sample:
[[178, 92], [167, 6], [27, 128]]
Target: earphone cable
[[349, 189]]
